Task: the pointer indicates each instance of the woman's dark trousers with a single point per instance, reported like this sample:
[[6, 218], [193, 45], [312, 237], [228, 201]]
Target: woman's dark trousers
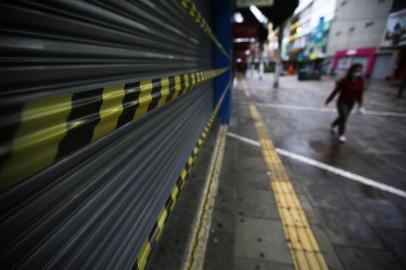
[[344, 110]]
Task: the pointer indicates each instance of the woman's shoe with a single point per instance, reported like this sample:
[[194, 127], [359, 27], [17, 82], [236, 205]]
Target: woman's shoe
[[333, 130], [342, 139]]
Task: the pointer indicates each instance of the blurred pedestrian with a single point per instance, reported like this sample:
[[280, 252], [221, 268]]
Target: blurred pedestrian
[[350, 90]]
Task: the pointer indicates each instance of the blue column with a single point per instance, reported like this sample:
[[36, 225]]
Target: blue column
[[222, 29]]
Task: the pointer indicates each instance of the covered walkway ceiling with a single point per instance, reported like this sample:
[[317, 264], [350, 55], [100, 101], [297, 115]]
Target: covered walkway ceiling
[[251, 30], [277, 13]]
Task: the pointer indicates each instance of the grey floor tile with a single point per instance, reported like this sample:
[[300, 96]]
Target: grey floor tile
[[327, 248], [229, 163], [380, 213], [220, 248], [393, 237], [247, 150], [396, 200], [254, 264], [400, 252], [324, 195], [220, 245], [358, 190], [308, 209], [366, 259], [348, 228], [256, 203], [252, 180], [396, 241], [250, 164], [261, 239]]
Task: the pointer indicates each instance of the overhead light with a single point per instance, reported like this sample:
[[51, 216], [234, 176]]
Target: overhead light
[[238, 18], [258, 14], [299, 30]]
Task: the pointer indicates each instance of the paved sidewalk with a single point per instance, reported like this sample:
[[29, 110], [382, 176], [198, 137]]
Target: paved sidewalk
[[357, 226]]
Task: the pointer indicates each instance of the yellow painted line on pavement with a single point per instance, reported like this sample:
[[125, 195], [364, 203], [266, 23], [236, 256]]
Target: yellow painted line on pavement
[[302, 243]]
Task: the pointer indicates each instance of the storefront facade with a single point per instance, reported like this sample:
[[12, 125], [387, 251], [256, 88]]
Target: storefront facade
[[344, 59]]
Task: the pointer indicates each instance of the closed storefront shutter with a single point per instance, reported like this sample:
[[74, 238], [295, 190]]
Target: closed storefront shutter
[[104, 108]]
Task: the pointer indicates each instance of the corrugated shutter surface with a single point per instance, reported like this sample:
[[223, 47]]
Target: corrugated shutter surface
[[101, 103]]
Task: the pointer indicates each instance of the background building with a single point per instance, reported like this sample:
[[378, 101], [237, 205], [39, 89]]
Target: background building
[[356, 34], [305, 36], [394, 39], [329, 35], [358, 24]]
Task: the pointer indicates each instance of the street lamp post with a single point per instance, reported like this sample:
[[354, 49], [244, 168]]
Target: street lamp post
[[278, 57]]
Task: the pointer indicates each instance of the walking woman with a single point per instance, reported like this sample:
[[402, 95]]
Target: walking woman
[[350, 90]]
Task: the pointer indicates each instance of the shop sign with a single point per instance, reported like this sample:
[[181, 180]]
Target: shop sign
[[395, 33]]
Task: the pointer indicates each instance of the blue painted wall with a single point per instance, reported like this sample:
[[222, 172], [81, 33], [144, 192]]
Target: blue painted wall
[[223, 11]]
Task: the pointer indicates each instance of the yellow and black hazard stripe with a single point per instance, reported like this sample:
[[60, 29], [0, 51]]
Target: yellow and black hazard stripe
[[154, 235], [38, 133], [192, 10]]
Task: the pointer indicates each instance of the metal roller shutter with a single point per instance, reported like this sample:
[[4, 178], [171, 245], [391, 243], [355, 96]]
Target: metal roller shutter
[[104, 107]]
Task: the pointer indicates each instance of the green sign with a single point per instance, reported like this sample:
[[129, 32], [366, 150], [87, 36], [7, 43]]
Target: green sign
[[259, 3]]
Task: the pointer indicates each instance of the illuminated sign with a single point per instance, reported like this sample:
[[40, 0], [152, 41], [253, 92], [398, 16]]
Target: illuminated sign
[[351, 52], [259, 3]]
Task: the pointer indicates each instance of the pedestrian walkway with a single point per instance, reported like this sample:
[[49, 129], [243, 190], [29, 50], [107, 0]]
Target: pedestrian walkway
[[356, 225], [351, 197]]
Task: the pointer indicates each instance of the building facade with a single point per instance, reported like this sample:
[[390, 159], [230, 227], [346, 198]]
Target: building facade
[[394, 40], [356, 35], [305, 35], [337, 33]]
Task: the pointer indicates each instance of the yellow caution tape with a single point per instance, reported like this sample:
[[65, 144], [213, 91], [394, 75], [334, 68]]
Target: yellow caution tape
[[51, 128]]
